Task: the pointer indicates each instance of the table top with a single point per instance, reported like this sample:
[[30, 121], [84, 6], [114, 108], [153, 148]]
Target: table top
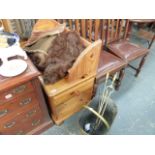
[[142, 20], [30, 73]]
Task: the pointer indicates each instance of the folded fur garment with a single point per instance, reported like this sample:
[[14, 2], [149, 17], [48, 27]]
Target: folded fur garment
[[64, 50], [60, 56]]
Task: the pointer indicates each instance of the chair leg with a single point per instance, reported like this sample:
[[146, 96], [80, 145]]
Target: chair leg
[[96, 84], [140, 66], [120, 78]]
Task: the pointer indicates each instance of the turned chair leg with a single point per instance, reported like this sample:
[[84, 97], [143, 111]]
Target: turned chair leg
[[120, 78], [140, 66]]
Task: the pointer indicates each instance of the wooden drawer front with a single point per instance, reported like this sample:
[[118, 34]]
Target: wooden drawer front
[[73, 105], [73, 92], [13, 93], [23, 123], [14, 105]]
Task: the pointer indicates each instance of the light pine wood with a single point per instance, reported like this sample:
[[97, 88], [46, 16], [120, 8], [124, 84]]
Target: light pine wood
[[69, 94], [72, 105], [7, 25], [62, 91], [66, 98], [87, 62], [61, 86], [72, 92], [83, 25]]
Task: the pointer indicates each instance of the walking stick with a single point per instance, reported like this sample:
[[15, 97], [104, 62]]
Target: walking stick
[[104, 100]]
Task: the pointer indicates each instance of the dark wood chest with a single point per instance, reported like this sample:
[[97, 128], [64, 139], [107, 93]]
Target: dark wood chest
[[22, 106]]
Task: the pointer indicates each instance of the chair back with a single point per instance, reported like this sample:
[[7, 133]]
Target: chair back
[[108, 30], [116, 29], [87, 62], [90, 29]]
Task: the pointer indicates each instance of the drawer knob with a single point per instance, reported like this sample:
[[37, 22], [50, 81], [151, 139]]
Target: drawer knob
[[8, 96], [77, 93], [35, 122], [19, 89], [9, 125], [3, 112], [25, 101], [30, 113]]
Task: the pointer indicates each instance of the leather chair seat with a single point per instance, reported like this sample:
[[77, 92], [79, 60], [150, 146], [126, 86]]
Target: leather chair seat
[[126, 50], [109, 63]]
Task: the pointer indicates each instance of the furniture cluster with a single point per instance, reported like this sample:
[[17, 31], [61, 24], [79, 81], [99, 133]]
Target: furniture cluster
[[108, 50], [68, 95], [117, 52]]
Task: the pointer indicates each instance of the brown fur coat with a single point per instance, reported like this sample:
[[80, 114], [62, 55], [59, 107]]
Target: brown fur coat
[[64, 50]]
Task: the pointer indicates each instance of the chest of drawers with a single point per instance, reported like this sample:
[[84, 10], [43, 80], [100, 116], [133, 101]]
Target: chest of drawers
[[66, 98], [22, 106], [68, 95]]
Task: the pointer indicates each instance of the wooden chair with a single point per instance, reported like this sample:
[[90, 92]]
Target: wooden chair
[[118, 44], [93, 30], [145, 34]]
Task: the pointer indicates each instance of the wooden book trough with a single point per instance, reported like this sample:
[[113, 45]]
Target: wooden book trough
[[68, 95]]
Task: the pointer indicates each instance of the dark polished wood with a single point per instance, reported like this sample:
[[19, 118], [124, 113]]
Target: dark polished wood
[[142, 20], [22, 106], [29, 74], [121, 76], [140, 65], [122, 47], [144, 34]]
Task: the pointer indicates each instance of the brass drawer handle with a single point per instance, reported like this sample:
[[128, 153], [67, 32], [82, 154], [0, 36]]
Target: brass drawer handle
[[20, 132], [19, 89], [9, 125], [25, 101], [3, 112], [35, 122], [8, 96], [30, 113]]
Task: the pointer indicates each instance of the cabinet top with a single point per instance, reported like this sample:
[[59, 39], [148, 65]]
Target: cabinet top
[[62, 85], [30, 73]]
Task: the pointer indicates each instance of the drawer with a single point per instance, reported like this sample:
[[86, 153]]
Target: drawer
[[15, 92], [73, 105], [73, 92], [18, 104], [23, 123]]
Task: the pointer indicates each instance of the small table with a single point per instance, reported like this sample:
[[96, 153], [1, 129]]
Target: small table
[[142, 21]]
